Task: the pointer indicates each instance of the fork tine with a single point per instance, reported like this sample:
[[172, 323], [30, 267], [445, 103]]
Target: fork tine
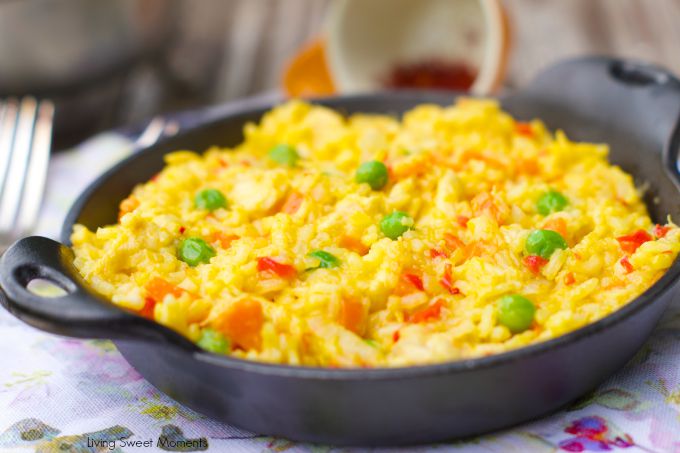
[[16, 172], [37, 168], [3, 111], [7, 128]]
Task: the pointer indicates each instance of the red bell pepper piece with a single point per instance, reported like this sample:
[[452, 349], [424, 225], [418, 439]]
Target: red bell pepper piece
[[268, 264], [630, 242]]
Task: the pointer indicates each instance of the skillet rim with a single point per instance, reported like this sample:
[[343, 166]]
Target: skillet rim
[[257, 106]]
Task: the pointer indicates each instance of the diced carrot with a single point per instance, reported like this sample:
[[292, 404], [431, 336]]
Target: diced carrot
[[242, 323], [354, 244], [223, 163], [443, 158], [490, 207], [403, 288], [352, 314], [462, 220], [447, 281], [524, 129], [615, 283], [390, 169], [484, 203], [182, 229], [534, 263], [661, 231], [268, 264], [128, 205], [412, 168], [558, 225], [528, 166], [485, 157], [569, 279], [474, 249], [630, 242], [429, 313], [292, 203], [453, 242], [626, 265], [158, 288], [224, 239]]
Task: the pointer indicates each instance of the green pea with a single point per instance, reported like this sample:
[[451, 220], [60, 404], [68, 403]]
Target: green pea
[[326, 260], [395, 224], [284, 154], [194, 251], [515, 312], [551, 201], [374, 173], [210, 199], [213, 341], [544, 243]]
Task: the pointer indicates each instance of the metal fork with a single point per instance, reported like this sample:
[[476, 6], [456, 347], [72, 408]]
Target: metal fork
[[25, 140]]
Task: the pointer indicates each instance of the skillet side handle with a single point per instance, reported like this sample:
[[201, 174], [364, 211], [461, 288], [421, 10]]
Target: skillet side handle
[[632, 96], [80, 312], [671, 154]]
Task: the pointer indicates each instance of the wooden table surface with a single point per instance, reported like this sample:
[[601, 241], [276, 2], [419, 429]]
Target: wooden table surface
[[548, 30], [259, 36]]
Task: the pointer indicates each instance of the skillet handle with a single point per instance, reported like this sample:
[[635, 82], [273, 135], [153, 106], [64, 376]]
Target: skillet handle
[[80, 312], [629, 96], [671, 154]]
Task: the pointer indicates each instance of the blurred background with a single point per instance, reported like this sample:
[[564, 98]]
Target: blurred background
[[118, 62]]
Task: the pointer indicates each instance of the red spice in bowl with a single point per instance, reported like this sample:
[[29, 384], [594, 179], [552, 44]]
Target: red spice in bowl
[[437, 74]]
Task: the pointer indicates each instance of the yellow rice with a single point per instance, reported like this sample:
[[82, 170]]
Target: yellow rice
[[467, 161]]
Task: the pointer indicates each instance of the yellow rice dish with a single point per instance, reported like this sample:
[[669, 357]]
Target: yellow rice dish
[[322, 240]]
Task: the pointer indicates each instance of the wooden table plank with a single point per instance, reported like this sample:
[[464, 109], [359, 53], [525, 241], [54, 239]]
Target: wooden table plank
[[546, 31], [259, 36]]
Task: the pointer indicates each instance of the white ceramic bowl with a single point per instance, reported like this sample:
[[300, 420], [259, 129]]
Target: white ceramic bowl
[[366, 39]]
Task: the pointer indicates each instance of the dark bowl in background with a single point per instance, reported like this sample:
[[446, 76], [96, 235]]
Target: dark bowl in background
[[82, 54]]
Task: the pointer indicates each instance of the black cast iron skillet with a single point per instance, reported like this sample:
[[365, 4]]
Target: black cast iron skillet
[[631, 106]]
